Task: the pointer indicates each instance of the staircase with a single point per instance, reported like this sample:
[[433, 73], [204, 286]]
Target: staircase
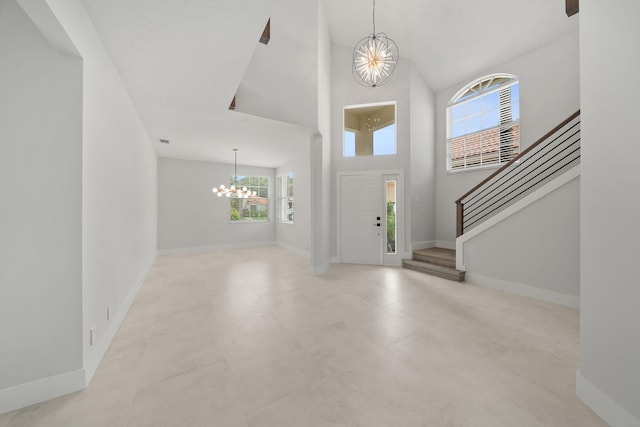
[[436, 262]]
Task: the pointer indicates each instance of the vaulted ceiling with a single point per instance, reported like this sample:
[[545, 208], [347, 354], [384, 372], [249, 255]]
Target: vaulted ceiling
[[451, 40], [183, 62]]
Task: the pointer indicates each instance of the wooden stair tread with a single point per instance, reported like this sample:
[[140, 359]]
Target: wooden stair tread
[[433, 269], [439, 256], [437, 253]]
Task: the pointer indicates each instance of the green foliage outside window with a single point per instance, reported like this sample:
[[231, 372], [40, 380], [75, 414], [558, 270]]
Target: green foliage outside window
[[235, 215], [391, 227], [254, 208]]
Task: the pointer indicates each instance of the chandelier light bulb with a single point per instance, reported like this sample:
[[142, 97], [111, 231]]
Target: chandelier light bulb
[[234, 191]]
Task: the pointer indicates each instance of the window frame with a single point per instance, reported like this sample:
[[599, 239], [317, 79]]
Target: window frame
[[366, 106], [244, 220], [464, 96], [285, 198]]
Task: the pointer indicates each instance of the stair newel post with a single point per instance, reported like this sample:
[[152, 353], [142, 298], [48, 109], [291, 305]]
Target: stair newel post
[[459, 218]]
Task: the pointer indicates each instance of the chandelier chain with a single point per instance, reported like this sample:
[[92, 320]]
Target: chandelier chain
[[234, 191], [374, 57], [374, 18]]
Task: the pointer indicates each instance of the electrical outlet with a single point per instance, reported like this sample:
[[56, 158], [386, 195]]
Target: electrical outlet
[[108, 312], [92, 336]]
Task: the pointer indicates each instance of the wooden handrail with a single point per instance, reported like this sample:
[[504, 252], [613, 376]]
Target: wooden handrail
[[519, 156], [460, 204], [459, 217]]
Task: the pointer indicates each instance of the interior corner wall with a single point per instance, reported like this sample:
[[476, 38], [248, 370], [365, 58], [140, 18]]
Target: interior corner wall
[[609, 375], [296, 235], [423, 180], [119, 182], [40, 207], [346, 91], [192, 217], [320, 166], [549, 93]]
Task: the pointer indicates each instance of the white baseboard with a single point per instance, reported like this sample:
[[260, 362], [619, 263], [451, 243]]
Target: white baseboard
[[446, 245], [422, 245], [525, 290], [610, 411], [21, 395], [294, 249], [95, 358], [40, 390], [320, 270], [197, 249]]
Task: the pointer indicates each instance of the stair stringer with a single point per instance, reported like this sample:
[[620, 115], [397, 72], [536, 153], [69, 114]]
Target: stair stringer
[[521, 204]]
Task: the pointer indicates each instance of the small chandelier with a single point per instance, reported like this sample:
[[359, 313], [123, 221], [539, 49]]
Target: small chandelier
[[234, 191], [374, 57], [373, 121]]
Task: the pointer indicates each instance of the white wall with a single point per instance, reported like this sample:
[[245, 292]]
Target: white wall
[[90, 178], [273, 70], [119, 179], [41, 204], [191, 216], [549, 93], [537, 248], [320, 154], [422, 177], [297, 235], [609, 376], [346, 91]]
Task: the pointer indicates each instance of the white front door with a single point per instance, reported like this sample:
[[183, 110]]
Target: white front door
[[361, 219]]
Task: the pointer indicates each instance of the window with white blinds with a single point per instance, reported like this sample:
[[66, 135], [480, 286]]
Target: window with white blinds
[[483, 123]]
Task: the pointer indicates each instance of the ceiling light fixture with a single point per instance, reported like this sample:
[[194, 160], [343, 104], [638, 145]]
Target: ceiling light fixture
[[374, 57], [373, 120], [234, 191]]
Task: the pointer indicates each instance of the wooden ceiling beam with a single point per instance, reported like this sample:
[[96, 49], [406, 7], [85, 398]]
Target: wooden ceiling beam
[[572, 7], [266, 33]]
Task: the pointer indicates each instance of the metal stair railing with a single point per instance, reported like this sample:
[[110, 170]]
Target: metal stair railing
[[550, 156]]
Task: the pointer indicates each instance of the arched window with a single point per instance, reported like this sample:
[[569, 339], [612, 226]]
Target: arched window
[[483, 123]]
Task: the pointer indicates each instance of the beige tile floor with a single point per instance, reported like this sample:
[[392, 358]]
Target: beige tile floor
[[249, 338]]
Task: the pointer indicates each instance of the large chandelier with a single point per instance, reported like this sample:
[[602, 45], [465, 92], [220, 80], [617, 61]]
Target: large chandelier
[[374, 57], [234, 191]]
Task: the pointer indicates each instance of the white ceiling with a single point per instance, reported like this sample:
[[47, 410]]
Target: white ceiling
[[452, 40], [262, 142], [182, 65]]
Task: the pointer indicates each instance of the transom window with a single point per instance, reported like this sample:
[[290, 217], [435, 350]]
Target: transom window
[[254, 208], [483, 123], [369, 130], [284, 190]]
